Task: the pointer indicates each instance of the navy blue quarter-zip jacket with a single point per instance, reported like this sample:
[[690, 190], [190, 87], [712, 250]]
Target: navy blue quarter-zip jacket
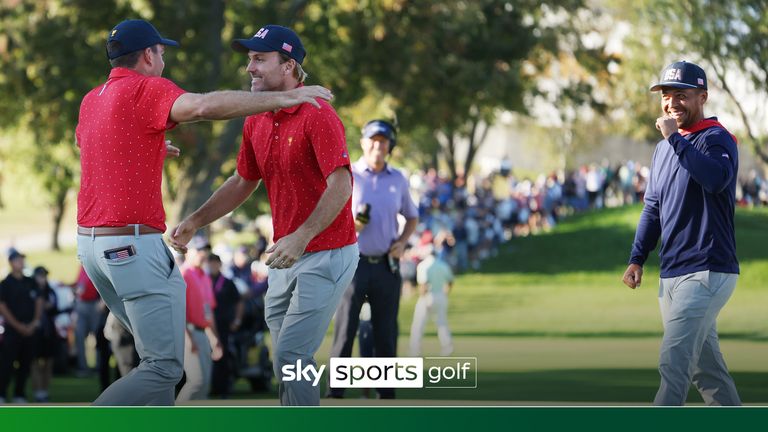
[[689, 203]]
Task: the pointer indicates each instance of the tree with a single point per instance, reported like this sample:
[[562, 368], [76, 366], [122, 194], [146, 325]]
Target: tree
[[730, 39], [570, 67], [448, 65], [446, 68], [41, 83]]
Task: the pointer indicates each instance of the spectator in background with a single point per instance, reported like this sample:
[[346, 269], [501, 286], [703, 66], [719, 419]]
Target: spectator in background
[[22, 308], [751, 188], [435, 280], [48, 340], [240, 269], [229, 317], [261, 243], [260, 277], [253, 297], [461, 246], [472, 228], [640, 183], [626, 175], [104, 350], [88, 317], [553, 197], [380, 194], [580, 178], [594, 185], [201, 346]]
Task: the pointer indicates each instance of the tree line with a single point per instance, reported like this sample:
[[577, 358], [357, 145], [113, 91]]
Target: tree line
[[444, 69]]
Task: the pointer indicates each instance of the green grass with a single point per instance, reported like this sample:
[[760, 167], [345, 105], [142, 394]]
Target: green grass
[[62, 265], [576, 370], [568, 283], [549, 319]]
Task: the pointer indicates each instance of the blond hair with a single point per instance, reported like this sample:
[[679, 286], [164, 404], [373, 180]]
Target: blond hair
[[298, 71]]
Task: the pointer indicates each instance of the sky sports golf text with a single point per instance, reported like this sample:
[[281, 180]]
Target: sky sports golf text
[[389, 372]]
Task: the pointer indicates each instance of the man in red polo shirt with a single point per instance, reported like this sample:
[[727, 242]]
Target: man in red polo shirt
[[121, 135], [301, 155], [202, 345]]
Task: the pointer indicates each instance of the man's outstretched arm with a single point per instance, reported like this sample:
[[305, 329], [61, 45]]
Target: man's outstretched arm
[[228, 104], [226, 198]]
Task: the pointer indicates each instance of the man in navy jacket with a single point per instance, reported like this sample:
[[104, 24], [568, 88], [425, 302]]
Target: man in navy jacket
[[689, 204]]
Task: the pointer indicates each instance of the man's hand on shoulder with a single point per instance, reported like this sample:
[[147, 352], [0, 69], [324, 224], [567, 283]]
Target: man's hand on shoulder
[[307, 94]]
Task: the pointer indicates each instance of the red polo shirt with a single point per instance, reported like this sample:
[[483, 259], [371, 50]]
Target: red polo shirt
[[121, 135], [198, 283], [294, 150]]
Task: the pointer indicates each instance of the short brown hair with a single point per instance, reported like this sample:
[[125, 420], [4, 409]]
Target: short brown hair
[[127, 60]]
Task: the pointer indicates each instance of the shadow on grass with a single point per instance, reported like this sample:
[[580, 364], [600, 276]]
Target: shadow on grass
[[70, 389], [568, 385], [600, 241], [582, 385], [751, 337]]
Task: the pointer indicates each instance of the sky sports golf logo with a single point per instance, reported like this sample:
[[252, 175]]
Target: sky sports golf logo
[[389, 372], [383, 372]]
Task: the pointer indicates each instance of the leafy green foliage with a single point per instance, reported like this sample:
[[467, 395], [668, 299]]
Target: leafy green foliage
[[444, 69]]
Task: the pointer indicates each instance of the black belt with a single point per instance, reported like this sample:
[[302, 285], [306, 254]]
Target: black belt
[[374, 259]]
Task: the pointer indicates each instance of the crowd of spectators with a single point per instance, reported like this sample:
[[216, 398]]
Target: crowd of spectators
[[467, 219], [462, 220]]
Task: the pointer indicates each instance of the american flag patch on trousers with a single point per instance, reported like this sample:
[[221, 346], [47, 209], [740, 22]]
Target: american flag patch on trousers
[[120, 253]]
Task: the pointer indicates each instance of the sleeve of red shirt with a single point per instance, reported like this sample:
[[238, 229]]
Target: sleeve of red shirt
[[156, 100], [326, 135], [246, 158], [82, 277]]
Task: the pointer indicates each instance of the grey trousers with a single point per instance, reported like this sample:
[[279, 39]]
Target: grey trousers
[[690, 350], [299, 305], [198, 367], [147, 294]]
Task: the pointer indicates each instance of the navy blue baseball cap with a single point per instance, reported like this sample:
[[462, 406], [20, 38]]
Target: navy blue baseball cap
[[682, 75], [273, 38], [134, 35], [14, 254], [383, 128]]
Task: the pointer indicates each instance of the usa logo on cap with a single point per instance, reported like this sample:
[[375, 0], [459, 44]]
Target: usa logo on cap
[[287, 47]]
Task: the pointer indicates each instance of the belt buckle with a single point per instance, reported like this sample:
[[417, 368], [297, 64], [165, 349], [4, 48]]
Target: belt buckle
[[374, 260]]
